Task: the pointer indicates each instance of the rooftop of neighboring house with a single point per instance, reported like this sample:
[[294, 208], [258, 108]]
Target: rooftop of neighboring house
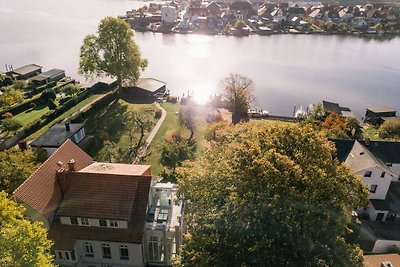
[[377, 259], [41, 190], [384, 230], [386, 152], [335, 108], [117, 169], [381, 110], [26, 69], [241, 5], [57, 135], [148, 84], [392, 200], [48, 74]]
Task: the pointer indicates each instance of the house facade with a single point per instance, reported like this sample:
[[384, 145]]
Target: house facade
[[103, 214]]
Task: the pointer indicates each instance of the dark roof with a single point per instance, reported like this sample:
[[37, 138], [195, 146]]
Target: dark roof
[[384, 230], [26, 69], [296, 11], [41, 190], [87, 193], [381, 110], [241, 5], [150, 84], [331, 107], [51, 73], [343, 148], [392, 200], [56, 135], [385, 151]]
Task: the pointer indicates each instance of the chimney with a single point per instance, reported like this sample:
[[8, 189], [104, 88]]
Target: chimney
[[22, 145], [67, 127], [71, 165]]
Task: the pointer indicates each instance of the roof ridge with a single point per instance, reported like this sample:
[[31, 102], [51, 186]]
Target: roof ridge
[[378, 162], [41, 166]]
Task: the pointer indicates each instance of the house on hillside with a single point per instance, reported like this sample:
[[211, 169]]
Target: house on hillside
[[148, 88], [331, 107], [377, 163], [25, 72], [103, 214], [53, 75], [53, 138], [379, 115], [241, 9]]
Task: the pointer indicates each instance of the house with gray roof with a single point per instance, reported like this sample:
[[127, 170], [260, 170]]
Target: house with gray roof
[[25, 72], [52, 75]]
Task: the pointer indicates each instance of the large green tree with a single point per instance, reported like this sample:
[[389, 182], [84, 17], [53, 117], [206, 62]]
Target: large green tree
[[112, 52], [269, 194], [22, 243], [16, 166], [237, 95]]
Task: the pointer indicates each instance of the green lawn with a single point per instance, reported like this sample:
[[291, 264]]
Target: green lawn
[[111, 124], [86, 101], [32, 115]]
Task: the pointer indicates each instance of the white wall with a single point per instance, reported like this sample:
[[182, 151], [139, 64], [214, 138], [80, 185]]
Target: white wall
[[373, 213], [382, 246], [383, 183], [168, 14], [395, 168], [134, 252]]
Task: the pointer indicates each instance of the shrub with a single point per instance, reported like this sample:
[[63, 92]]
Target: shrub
[[7, 115], [51, 104], [10, 125], [157, 114], [63, 100], [32, 105], [48, 94], [172, 99], [390, 129]]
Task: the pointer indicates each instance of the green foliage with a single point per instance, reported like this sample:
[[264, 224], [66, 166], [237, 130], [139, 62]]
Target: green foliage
[[239, 24], [390, 129], [48, 94], [237, 96], [269, 194], [15, 167], [71, 89], [10, 96], [52, 105], [22, 243], [10, 125], [175, 150], [113, 52], [316, 112]]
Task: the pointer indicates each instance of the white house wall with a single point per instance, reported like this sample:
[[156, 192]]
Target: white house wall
[[395, 168], [375, 179], [373, 213], [383, 246], [134, 252]]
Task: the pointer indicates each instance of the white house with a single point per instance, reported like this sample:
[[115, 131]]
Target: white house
[[103, 214], [168, 14]]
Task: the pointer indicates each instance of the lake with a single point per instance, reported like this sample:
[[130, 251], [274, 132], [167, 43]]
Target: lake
[[287, 70]]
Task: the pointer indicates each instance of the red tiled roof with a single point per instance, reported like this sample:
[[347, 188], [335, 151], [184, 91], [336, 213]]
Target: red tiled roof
[[41, 190], [104, 195]]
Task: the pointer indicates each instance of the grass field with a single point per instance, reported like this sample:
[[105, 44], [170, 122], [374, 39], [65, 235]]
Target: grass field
[[32, 115]]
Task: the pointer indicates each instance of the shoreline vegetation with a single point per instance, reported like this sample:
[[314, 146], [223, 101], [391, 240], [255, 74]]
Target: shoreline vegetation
[[243, 18]]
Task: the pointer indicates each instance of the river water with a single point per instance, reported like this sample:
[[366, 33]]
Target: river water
[[287, 70]]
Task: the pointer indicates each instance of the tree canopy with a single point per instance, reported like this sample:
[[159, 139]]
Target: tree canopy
[[16, 166], [269, 194], [22, 243], [112, 52], [237, 95], [390, 129]]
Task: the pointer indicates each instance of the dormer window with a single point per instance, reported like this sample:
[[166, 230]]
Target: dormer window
[[103, 223], [85, 221], [368, 174], [113, 223]]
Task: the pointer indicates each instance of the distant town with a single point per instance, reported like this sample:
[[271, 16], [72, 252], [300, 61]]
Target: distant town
[[242, 18]]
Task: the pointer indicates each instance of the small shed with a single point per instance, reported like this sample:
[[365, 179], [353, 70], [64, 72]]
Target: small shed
[[25, 72], [48, 76], [58, 134], [379, 115], [148, 88]]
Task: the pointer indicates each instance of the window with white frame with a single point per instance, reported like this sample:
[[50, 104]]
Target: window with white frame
[[373, 188], [106, 251], [113, 223], [88, 249], [124, 254], [85, 221], [103, 222]]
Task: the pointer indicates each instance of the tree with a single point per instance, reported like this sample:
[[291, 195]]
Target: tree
[[137, 120], [390, 129], [186, 118], [10, 96], [16, 166], [175, 150], [269, 194], [239, 24], [22, 243], [112, 53], [10, 125], [237, 96], [71, 89]]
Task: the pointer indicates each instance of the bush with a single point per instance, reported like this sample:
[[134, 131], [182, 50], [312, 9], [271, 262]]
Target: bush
[[51, 104], [157, 114], [32, 105], [390, 129], [63, 100], [172, 99], [7, 115], [10, 125], [48, 94]]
